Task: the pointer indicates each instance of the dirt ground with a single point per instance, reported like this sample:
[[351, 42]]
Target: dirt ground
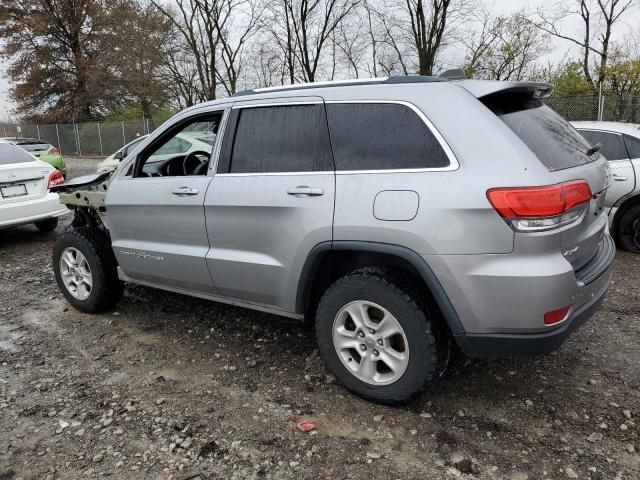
[[168, 386]]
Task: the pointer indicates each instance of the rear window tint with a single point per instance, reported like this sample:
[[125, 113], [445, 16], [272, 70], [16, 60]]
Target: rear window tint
[[34, 147], [611, 144], [380, 136], [12, 154], [555, 142]]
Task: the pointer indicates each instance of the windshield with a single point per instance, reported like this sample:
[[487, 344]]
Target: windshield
[[33, 145]]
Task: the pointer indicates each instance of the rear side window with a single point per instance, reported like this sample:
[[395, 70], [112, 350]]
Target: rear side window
[[611, 144], [371, 136], [12, 154], [292, 138], [555, 142], [633, 146]]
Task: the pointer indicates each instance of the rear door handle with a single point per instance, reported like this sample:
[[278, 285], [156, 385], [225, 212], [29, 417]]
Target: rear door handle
[[618, 178], [304, 191], [184, 191]]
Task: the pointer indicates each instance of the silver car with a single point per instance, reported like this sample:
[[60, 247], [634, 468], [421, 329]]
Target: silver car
[[396, 215], [620, 144]]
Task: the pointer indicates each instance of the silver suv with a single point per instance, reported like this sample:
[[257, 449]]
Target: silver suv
[[400, 216]]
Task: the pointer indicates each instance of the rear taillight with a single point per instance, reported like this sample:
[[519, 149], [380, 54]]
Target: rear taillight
[[530, 209], [557, 316], [55, 179], [55, 151]]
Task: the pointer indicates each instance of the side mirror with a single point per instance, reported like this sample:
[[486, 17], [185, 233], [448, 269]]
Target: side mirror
[[119, 155]]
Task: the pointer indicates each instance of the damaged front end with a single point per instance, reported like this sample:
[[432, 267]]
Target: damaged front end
[[85, 196]]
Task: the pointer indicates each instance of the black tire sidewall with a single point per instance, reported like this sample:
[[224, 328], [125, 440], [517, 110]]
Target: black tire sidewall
[[625, 241], [48, 225], [422, 348], [75, 239]]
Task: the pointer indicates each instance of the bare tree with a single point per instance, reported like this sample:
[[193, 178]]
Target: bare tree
[[503, 47], [597, 18], [303, 29], [428, 28]]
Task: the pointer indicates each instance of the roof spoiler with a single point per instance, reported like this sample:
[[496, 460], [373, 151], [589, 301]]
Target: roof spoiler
[[485, 88]]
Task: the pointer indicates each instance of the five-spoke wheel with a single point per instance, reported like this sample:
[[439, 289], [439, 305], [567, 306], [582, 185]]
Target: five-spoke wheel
[[76, 273]]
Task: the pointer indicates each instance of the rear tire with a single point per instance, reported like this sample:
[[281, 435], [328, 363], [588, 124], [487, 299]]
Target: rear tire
[[48, 225], [382, 298], [86, 270], [628, 231]]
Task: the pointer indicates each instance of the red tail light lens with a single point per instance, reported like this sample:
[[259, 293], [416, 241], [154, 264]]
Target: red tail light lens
[[556, 316], [55, 151], [541, 208], [55, 179]]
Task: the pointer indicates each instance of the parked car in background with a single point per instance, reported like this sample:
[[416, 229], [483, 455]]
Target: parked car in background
[[110, 163], [620, 144], [41, 150], [184, 143], [24, 190], [399, 215]]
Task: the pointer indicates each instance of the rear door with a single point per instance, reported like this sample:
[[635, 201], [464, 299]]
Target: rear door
[[271, 200], [156, 214], [612, 146]]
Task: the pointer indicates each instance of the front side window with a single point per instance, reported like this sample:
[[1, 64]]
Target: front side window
[[371, 136], [288, 138], [611, 144], [180, 152]]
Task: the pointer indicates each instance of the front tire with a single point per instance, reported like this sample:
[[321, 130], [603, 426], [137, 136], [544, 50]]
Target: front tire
[[375, 337], [628, 231], [86, 270], [48, 225]]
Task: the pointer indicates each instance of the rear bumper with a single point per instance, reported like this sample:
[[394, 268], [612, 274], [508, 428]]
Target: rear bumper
[[29, 211], [529, 344]]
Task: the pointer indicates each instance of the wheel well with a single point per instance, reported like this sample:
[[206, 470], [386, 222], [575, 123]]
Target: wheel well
[[622, 209], [326, 266]]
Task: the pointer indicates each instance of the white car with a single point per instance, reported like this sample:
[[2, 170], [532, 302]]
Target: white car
[[181, 144], [620, 145], [24, 190], [110, 163]]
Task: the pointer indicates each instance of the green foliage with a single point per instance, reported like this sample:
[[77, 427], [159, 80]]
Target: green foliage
[[569, 79]]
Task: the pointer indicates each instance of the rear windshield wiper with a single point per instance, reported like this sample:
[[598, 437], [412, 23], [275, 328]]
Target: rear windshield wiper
[[595, 148]]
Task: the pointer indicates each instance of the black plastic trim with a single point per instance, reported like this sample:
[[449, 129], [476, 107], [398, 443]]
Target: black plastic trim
[[600, 262], [315, 257]]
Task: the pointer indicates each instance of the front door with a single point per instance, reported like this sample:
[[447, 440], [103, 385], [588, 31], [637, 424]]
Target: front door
[[155, 211], [271, 200]]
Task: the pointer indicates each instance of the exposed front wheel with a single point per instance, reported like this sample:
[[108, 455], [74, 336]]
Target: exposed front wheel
[[86, 270], [628, 233], [48, 225], [376, 338]]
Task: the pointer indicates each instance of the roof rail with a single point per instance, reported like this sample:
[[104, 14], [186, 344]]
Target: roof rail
[[396, 79]]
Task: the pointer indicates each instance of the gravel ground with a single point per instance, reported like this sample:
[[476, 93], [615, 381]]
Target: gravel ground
[[168, 386]]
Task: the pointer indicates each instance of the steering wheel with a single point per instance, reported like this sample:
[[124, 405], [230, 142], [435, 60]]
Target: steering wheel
[[188, 162]]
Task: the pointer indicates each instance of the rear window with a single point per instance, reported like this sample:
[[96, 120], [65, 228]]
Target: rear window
[[33, 146], [633, 146], [12, 154], [370, 136], [555, 142]]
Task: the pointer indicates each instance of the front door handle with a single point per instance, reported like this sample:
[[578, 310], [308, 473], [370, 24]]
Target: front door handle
[[304, 191], [618, 178], [184, 191]]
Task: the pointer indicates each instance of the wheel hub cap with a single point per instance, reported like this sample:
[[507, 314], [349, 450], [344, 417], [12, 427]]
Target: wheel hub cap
[[370, 343], [76, 273]]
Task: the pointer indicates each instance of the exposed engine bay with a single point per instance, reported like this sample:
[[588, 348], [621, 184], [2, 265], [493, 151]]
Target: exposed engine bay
[[85, 196]]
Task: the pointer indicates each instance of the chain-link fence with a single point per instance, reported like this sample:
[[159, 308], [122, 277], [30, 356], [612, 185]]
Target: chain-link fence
[[84, 139], [102, 139]]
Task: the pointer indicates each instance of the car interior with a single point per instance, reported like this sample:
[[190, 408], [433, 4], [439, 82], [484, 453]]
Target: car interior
[[183, 151]]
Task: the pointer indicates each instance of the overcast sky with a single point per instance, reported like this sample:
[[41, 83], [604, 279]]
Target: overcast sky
[[631, 20]]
